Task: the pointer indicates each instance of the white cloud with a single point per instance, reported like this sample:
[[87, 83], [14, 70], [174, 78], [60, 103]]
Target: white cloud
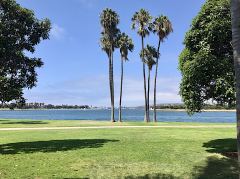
[[167, 91], [95, 91], [57, 32]]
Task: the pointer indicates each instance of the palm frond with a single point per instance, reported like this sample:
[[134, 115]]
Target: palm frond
[[125, 44], [149, 55], [141, 21], [162, 26]]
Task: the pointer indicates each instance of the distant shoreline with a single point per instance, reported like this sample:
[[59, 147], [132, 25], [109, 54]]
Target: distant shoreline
[[205, 110], [173, 110], [39, 109]]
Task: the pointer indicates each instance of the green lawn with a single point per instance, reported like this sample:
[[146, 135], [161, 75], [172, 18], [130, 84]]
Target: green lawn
[[116, 153], [6, 123]]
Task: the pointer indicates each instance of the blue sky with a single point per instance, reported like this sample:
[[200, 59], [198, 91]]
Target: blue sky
[[75, 69]]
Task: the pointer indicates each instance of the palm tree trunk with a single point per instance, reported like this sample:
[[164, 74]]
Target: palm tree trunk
[[155, 85], [110, 81], [148, 91], [235, 12], [120, 100], [112, 89], [146, 118]]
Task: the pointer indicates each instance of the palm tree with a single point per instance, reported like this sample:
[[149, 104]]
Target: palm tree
[[109, 20], [141, 21], [125, 44], [149, 54], [106, 46], [162, 27], [235, 9]]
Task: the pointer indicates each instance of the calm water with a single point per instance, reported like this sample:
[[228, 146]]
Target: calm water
[[128, 115]]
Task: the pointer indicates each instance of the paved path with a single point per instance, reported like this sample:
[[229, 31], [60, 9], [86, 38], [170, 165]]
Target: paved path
[[112, 127]]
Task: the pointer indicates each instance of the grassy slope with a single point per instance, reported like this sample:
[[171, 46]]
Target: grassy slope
[[117, 153]]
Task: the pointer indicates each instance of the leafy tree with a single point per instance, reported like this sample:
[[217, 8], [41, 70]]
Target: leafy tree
[[142, 22], [162, 27], [149, 54], [9, 91], [20, 32], [206, 63], [109, 20], [124, 44], [235, 9]]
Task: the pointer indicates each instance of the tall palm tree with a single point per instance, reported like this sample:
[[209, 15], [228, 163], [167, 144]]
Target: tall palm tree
[[125, 44], [106, 46], [142, 22], [109, 20], [162, 27], [149, 54], [235, 12]]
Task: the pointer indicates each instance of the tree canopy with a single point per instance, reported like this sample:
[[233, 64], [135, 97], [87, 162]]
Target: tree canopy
[[149, 54], [142, 22], [206, 63], [20, 32], [125, 44]]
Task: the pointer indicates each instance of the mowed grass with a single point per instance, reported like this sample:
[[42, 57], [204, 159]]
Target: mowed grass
[[11, 123], [118, 153]]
